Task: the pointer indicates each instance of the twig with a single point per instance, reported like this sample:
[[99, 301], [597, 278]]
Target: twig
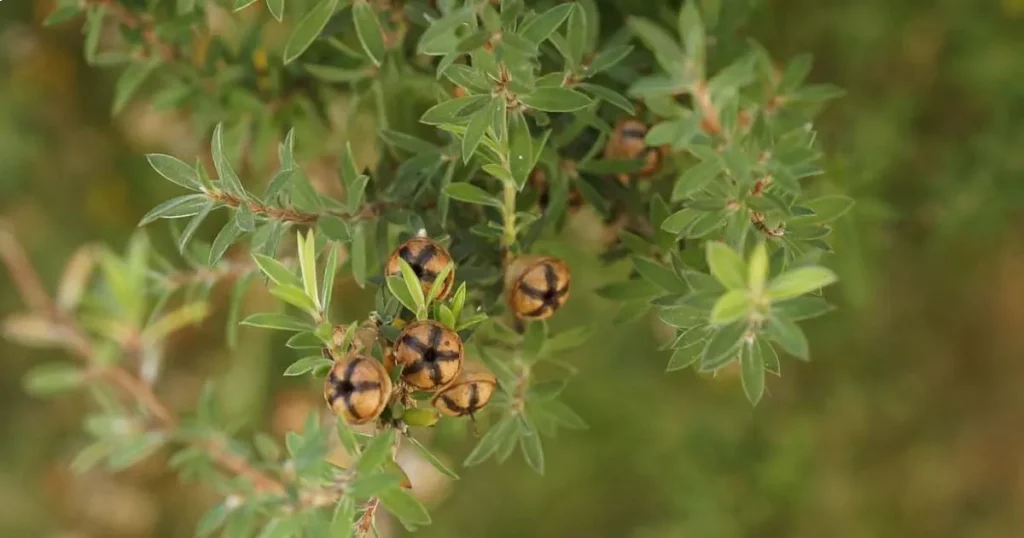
[[702, 97], [365, 523], [31, 289], [291, 215], [144, 24]]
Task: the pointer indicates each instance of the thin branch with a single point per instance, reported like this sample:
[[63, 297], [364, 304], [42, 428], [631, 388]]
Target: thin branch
[[77, 342], [298, 217], [145, 25]]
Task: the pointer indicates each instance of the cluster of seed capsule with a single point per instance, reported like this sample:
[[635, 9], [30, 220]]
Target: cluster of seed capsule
[[430, 355]]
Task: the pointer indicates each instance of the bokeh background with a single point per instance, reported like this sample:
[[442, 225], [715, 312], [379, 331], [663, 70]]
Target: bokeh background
[[909, 421]]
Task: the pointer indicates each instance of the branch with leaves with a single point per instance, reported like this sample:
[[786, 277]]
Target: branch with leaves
[[497, 123]]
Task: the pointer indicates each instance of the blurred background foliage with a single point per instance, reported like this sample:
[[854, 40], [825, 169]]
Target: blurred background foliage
[[906, 423]]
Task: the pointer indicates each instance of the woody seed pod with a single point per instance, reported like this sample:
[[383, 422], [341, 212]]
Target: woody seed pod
[[627, 142], [430, 354], [357, 389], [467, 394], [537, 286], [427, 259]]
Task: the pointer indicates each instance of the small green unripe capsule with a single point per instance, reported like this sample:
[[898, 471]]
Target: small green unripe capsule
[[420, 417]]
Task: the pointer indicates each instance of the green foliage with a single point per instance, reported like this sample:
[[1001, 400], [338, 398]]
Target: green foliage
[[494, 94]]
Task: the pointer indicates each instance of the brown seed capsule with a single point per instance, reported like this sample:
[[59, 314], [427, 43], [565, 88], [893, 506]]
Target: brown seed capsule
[[357, 389], [430, 354], [467, 394], [427, 259], [627, 142], [537, 286]]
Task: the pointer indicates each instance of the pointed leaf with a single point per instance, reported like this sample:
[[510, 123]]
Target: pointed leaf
[[726, 266], [174, 170], [307, 30], [799, 281]]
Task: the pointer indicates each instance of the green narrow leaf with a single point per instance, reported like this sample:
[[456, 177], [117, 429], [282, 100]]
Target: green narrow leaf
[[665, 48], [330, 273], [757, 269], [533, 340], [227, 236], [358, 254], [335, 229], [529, 440], [801, 308], [62, 14], [722, 346], [364, 487], [307, 266], [733, 305], [752, 373], [193, 225], [295, 296], [691, 30], [684, 357], [549, 99], [453, 110], [764, 349], [235, 309], [788, 335], [307, 30], [368, 29], [404, 506], [565, 416], [174, 170], [576, 34], [469, 193], [608, 58], [225, 172], [412, 284], [445, 316], [521, 154], [343, 519], [376, 452], [726, 266], [129, 82], [244, 218], [680, 220], [242, 4], [478, 124], [799, 281], [432, 459], [397, 287], [277, 184], [276, 9], [542, 26], [181, 206], [826, 209], [307, 364], [694, 179], [491, 440], [277, 271], [53, 378], [438, 284], [282, 322], [212, 520], [658, 274], [610, 96]]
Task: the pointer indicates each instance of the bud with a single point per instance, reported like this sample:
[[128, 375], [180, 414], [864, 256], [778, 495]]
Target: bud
[[421, 417]]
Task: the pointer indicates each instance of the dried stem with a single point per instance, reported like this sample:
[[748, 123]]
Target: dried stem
[[30, 287]]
